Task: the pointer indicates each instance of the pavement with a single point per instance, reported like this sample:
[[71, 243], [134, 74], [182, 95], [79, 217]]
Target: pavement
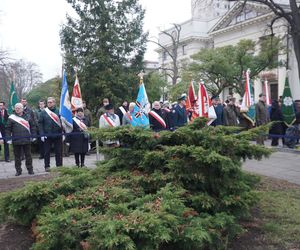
[[283, 164]]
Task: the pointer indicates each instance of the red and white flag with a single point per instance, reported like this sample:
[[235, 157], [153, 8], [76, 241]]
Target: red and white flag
[[76, 100], [247, 98], [267, 92], [206, 108]]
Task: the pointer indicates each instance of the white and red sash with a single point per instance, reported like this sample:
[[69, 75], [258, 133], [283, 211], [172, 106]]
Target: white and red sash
[[122, 110], [129, 116], [21, 121], [53, 116], [158, 118], [110, 121], [80, 124]]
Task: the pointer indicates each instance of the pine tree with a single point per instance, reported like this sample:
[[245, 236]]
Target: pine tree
[[107, 43]]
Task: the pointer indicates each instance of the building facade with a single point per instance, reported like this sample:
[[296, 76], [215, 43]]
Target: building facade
[[217, 23]]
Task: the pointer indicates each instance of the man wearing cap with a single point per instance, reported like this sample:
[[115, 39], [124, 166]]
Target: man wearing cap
[[261, 116], [231, 113], [109, 120], [179, 113], [218, 109]]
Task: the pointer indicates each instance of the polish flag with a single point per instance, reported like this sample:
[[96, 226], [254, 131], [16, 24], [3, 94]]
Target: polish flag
[[267, 92], [206, 108], [247, 100], [76, 100]]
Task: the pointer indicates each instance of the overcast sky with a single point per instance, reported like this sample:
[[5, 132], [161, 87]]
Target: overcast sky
[[30, 29]]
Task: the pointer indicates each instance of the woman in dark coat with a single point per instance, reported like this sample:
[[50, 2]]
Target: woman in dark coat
[[79, 143], [278, 127]]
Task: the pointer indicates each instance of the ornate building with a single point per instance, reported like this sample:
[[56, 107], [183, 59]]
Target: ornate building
[[217, 23]]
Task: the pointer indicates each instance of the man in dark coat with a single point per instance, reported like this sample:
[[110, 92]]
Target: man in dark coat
[[3, 122], [42, 105], [20, 133], [219, 111], [79, 141], [261, 116], [157, 122], [121, 111], [50, 129], [179, 113], [278, 128], [231, 113]]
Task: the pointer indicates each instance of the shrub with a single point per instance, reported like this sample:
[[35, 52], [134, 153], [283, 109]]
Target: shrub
[[173, 190]]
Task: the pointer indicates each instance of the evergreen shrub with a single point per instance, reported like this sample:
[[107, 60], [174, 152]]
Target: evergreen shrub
[[168, 190]]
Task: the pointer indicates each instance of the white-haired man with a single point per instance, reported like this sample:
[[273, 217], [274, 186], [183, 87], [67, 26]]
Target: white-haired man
[[20, 132]]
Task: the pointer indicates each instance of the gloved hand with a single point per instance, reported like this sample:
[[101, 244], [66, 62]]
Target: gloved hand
[[33, 139], [43, 138], [9, 142], [68, 144], [63, 138]]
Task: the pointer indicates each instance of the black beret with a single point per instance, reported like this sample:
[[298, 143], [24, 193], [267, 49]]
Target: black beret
[[108, 106]]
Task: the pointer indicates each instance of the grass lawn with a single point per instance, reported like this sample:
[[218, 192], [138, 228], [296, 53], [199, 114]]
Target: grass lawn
[[275, 222]]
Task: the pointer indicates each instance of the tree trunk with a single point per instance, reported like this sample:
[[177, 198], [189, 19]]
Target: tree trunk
[[296, 43]]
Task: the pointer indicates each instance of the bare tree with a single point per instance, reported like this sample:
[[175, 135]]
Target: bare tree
[[171, 69], [25, 75], [289, 12]]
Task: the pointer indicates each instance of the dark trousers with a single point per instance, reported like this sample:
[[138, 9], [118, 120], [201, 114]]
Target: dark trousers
[[81, 162], [57, 142], [6, 147], [18, 149], [41, 148]]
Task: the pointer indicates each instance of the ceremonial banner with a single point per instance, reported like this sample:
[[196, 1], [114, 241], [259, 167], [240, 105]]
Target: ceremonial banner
[[287, 107], [248, 106], [76, 100], [141, 109], [13, 99], [206, 108], [65, 107], [267, 93]]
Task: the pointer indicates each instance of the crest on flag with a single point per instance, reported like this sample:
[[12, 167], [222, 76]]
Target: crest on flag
[[76, 100], [65, 107], [287, 104], [248, 106], [142, 107]]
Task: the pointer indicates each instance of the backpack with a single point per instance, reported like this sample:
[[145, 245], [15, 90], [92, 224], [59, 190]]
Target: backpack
[[292, 131]]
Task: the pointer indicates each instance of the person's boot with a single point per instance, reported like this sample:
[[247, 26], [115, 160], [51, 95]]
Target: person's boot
[[30, 171], [18, 173]]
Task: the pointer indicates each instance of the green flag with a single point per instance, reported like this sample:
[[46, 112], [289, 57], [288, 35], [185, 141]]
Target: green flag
[[13, 99], [287, 104]]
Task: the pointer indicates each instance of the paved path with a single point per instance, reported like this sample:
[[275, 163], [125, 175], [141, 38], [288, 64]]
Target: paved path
[[281, 165], [7, 169]]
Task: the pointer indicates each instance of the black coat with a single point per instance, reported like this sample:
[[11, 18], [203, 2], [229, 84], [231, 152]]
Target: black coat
[[79, 143], [47, 126], [154, 124], [3, 121], [15, 129], [276, 115]]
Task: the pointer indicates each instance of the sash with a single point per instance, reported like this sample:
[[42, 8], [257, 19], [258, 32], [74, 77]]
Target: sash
[[158, 118], [21, 121], [110, 122], [128, 115], [122, 110], [80, 124], [53, 116], [167, 110]]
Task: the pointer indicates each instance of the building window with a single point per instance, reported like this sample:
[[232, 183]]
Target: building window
[[164, 56], [184, 49]]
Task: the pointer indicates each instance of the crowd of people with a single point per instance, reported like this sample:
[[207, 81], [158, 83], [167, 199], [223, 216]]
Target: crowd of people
[[44, 125]]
